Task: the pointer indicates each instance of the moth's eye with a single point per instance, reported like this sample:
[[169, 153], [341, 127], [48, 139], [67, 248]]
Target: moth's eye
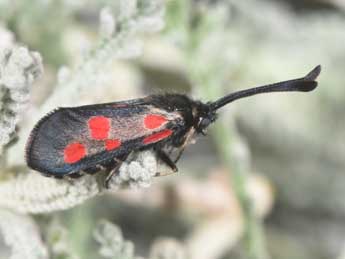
[[204, 122]]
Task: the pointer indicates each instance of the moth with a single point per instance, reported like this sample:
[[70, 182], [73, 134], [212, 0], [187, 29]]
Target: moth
[[71, 141]]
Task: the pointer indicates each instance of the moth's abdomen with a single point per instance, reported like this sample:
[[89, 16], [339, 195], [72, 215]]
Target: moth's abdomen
[[50, 139]]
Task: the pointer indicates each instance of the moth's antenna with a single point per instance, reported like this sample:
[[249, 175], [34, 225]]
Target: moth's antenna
[[304, 84]]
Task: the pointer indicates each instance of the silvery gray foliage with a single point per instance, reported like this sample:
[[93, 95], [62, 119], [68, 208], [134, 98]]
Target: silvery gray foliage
[[137, 171], [20, 194], [113, 245], [18, 69], [22, 235]]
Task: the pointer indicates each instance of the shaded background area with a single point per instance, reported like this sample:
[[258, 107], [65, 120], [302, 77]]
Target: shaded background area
[[291, 146]]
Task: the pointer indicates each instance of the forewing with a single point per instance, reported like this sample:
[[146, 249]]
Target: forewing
[[73, 139]]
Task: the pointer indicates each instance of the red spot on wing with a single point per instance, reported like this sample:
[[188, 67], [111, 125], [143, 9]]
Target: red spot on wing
[[99, 127], [111, 144], [153, 121], [157, 136], [74, 152]]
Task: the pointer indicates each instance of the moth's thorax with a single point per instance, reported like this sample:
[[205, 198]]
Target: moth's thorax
[[175, 103], [196, 114]]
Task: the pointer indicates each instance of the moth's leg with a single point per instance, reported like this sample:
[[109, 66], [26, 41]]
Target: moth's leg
[[180, 151], [163, 156], [113, 168], [181, 148], [111, 173]]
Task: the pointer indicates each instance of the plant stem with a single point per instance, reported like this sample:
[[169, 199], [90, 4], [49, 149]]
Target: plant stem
[[225, 138]]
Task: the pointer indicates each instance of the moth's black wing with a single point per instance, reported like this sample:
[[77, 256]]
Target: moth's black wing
[[70, 140]]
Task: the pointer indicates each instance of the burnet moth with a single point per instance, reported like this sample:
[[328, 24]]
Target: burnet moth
[[70, 141]]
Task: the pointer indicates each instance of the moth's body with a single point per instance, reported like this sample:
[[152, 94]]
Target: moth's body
[[96, 134], [88, 138]]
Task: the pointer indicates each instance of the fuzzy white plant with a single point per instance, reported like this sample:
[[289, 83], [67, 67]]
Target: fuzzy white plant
[[34, 193], [19, 67], [136, 173], [22, 235], [113, 245]]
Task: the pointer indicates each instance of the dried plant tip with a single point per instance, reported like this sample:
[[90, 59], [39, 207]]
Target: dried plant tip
[[107, 23]]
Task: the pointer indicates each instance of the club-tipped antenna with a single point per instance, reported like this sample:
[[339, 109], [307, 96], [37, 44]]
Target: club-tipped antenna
[[304, 84]]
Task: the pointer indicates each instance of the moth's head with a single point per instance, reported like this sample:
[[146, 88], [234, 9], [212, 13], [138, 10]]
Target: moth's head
[[203, 117]]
